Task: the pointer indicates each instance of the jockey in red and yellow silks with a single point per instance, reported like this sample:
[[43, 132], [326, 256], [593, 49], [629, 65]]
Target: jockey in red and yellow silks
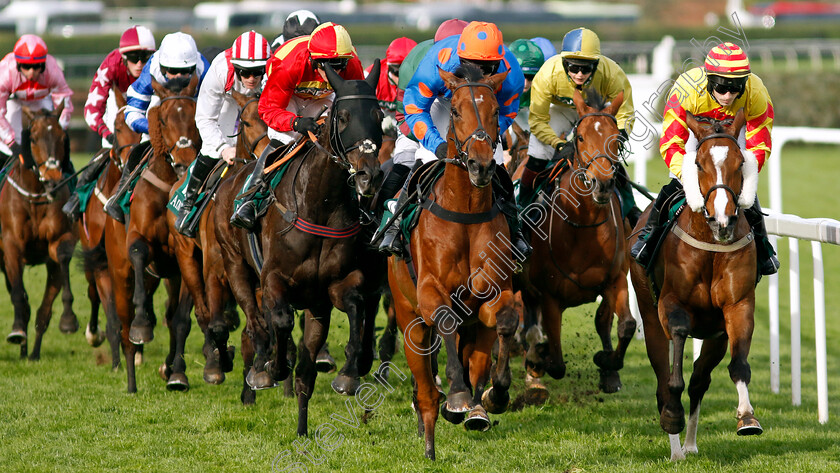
[[716, 91]]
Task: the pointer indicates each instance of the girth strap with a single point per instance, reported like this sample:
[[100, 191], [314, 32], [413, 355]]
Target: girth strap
[[459, 217]]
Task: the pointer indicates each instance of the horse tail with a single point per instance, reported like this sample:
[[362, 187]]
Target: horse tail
[[94, 259]]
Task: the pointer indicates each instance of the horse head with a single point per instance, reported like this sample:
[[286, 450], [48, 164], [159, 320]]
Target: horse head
[[474, 120], [172, 128], [720, 177], [252, 136], [596, 144], [124, 136], [47, 144], [355, 128]]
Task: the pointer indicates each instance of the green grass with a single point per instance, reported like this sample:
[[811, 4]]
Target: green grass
[[70, 412]]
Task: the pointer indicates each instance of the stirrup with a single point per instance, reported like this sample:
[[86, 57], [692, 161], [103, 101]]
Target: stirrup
[[391, 241], [112, 208], [769, 266], [72, 207], [245, 216]]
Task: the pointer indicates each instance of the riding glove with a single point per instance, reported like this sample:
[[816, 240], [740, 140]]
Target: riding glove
[[303, 125], [560, 145], [15, 148], [441, 151]]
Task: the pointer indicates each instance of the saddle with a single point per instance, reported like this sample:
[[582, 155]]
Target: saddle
[[672, 208], [208, 189]]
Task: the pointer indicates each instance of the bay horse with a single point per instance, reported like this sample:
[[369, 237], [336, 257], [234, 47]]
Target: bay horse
[[91, 236], [463, 287], [308, 240], [706, 274], [580, 249], [143, 247], [200, 258], [33, 228]]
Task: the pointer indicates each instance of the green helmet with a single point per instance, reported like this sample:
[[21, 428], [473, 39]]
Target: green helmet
[[529, 56]]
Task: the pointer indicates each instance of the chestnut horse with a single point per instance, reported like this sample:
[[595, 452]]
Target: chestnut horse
[[200, 258], [91, 233], [303, 267], [463, 270], [143, 245], [34, 230], [706, 271], [580, 248]]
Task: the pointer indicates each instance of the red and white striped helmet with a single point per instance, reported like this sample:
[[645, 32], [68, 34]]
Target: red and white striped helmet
[[30, 49], [137, 38], [250, 50]]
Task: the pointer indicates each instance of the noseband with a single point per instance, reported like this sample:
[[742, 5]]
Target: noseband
[[578, 162], [718, 186], [480, 134]]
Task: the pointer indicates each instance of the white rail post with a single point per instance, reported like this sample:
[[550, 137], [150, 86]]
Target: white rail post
[[819, 333], [795, 325]]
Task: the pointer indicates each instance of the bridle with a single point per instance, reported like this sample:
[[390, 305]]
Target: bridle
[[462, 148], [250, 147], [183, 142], [718, 186], [578, 163]]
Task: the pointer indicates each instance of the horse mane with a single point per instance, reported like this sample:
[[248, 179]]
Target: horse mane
[[595, 100], [177, 84], [469, 72], [155, 132]]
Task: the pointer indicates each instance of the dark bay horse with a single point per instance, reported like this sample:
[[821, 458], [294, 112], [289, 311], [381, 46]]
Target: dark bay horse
[[141, 252], [200, 258], [308, 240], [33, 228], [706, 274], [580, 249], [91, 236], [464, 289]]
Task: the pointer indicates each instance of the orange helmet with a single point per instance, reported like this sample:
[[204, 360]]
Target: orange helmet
[[329, 41], [481, 41], [30, 49]]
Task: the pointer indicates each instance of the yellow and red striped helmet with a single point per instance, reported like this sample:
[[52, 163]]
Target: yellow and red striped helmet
[[727, 60]]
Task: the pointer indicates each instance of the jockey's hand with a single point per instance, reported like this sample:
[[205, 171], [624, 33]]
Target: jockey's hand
[[228, 154], [441, 150], [303, 125], [110, 138], [15, 148], [560, 145]]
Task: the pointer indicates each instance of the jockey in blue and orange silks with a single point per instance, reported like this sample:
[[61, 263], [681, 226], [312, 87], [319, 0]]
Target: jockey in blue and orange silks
[[426, 105]]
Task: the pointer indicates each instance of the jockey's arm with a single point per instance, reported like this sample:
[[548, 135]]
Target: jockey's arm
[[137, 101], [208, 109], [422, 91], [7, 133], [759, 111], [275, 98], [674, 131], [59, 91], [510, 92], [97, 99], [542, 92]]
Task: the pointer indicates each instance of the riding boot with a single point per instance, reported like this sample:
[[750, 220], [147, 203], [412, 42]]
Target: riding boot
[[627, 198], [642, 250], [767, 262], [245, 216], [526, 184], [112, 206], [72, 208], [201, 167], [391, 241], [392, 183]]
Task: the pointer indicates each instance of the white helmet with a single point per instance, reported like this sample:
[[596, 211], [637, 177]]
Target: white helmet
[[178, 50], [250, 50]]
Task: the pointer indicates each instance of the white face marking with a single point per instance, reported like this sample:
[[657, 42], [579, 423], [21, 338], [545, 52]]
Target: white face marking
[[49, 127], [180, 109], [721, 196], [479, 99]]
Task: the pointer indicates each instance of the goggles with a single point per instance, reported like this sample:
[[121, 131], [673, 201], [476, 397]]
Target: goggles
[[178, 71], [137, 56], [582, 68], [724, 89], [338, 63], [248, 73], [27, 67]]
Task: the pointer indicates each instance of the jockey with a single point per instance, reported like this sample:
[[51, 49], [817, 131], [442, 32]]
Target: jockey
[[119, 70], [386, 89], [479, 44], [580, 66], [172, 65], [530, 58], [716, 91], [298, 23], [29, 77], [546, 46], [295, 93], [241, 68]]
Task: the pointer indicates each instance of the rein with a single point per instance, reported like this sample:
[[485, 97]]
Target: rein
[[718, 186], [253, 145]]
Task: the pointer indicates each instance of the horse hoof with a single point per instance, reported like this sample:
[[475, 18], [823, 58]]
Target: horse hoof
[[138, 358], [68, 325], [324, 362], [213, 376], [610, 382], [670, 423], [178, 382], [17, 337], [748, 425], [140, 335], [477, 420], [343, 384], [96, 339], [536, 394], [458, 403], [451, 417], [164, 371], [497, 407], [259, 381]]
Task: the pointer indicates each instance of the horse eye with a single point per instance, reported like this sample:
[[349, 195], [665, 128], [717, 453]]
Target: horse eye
[[699, 167], [580, 138]]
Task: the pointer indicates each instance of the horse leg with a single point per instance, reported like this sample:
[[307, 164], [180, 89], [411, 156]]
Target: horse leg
[[218, 326], [105, 291], [535, 344], [280, 320], [345, 296], [248, 396], [13, 262], [496, 399], [93, 334], [739, 326], [552, 322], [388, 341], [142, 329], [179, 329], [672, 417], [315, 332], [44, 313], [711, 354], [63, 254], [371, 308], [242, 284], [418, 338]]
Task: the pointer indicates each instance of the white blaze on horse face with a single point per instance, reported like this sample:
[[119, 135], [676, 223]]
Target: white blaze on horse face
[[598, 128], [744, 406], [721, 196]]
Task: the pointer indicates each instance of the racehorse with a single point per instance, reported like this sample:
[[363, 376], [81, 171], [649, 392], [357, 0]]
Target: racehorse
[[463, 284], [142, 246], [580, 248], [706, 272], [517, 147], [91, 233], [34, 229], [308, 242], [200, 258]]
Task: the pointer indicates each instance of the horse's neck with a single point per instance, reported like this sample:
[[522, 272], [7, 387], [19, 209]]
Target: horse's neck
[[161, 167], [455, 192], [26, 178], [323, 184]]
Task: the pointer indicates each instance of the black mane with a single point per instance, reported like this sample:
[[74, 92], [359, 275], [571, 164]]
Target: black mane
[[595, 100], [469, 72]]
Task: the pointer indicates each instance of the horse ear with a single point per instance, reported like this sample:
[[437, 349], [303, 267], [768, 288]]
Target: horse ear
[[335, 80], [373, 78], [449, 79], [699, 130], [189, 91], [240, 98], [59, 109], [119, 97], [737, 123], [27, 116], [580, 106], [615, 104], [159, 89], [496, 81]]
